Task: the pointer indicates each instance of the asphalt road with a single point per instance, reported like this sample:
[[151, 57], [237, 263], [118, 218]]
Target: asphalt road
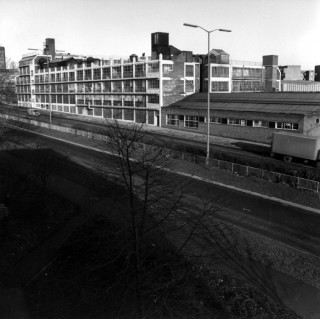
[[295, 226]]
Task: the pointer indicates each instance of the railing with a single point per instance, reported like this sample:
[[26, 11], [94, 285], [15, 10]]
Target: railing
[[242, 170], [245, 63]]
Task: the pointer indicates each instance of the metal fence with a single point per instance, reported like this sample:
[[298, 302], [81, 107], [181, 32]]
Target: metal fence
[[242, 170]]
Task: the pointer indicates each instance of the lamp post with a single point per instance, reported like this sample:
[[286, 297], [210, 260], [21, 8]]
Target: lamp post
[[208, 115], [279, 79]]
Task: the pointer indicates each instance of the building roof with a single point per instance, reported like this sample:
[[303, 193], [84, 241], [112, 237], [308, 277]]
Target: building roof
[[296, 103], [218, 52]]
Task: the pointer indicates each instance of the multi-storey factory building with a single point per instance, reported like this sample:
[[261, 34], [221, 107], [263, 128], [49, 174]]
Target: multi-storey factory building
[[132, 89]]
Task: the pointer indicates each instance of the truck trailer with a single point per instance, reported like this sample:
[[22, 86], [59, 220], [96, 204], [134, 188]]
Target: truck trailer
[[296, 146]]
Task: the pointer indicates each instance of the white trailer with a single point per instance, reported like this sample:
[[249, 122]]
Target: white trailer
[[291, 146]]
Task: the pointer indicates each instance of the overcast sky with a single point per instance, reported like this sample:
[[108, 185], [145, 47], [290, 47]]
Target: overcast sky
[[287, 28]]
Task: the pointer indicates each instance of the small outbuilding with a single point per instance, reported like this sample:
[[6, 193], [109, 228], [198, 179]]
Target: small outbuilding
[[246, 116]]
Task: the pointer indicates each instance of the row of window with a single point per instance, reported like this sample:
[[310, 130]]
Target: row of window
[[193, 122], [128, 70], [98, 87], [138, 116], [23, 89], [236, 72], [106, 100], [238, 86]]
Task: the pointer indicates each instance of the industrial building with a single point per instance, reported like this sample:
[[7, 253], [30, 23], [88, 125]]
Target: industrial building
[[138, 88], [135, 88], [132, 89], [252, 117]]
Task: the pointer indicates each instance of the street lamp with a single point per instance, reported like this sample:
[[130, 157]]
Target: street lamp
[[208, 115], [279, 79]]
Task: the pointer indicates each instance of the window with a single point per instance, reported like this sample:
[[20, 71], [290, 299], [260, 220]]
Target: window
[[189, 86], [65, 99], [153, 67], [217, 120], [140, 70], [140, 101], [219, 86], [80, 87], [287, 126], [71, 88], [128, 86], [117, 114], [173, 119], [247, 85], [117, 87], [80, 75], [117, 103], [59, 98], [97, 74], [191, 121], [88, 87], [72, 100], [167, 68], [260, 123], [97, 111], [116, 72], [128, 103], [106, 86], [153, 84], [58, 77], [107, 100], [219, 72], [237, 122], [317, 121], [128, 71], [243, 72], [128, 115], [140, 86], [97, 87], [106, 73], [189, 70], [87, 74], [65, 76], [153, 99]]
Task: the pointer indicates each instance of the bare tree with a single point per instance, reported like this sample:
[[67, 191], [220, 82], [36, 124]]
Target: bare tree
[[156, 206], [7, 82]]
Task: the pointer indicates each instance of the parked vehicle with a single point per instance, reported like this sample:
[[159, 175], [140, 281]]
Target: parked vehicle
[[33, 112], [291, 146]]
